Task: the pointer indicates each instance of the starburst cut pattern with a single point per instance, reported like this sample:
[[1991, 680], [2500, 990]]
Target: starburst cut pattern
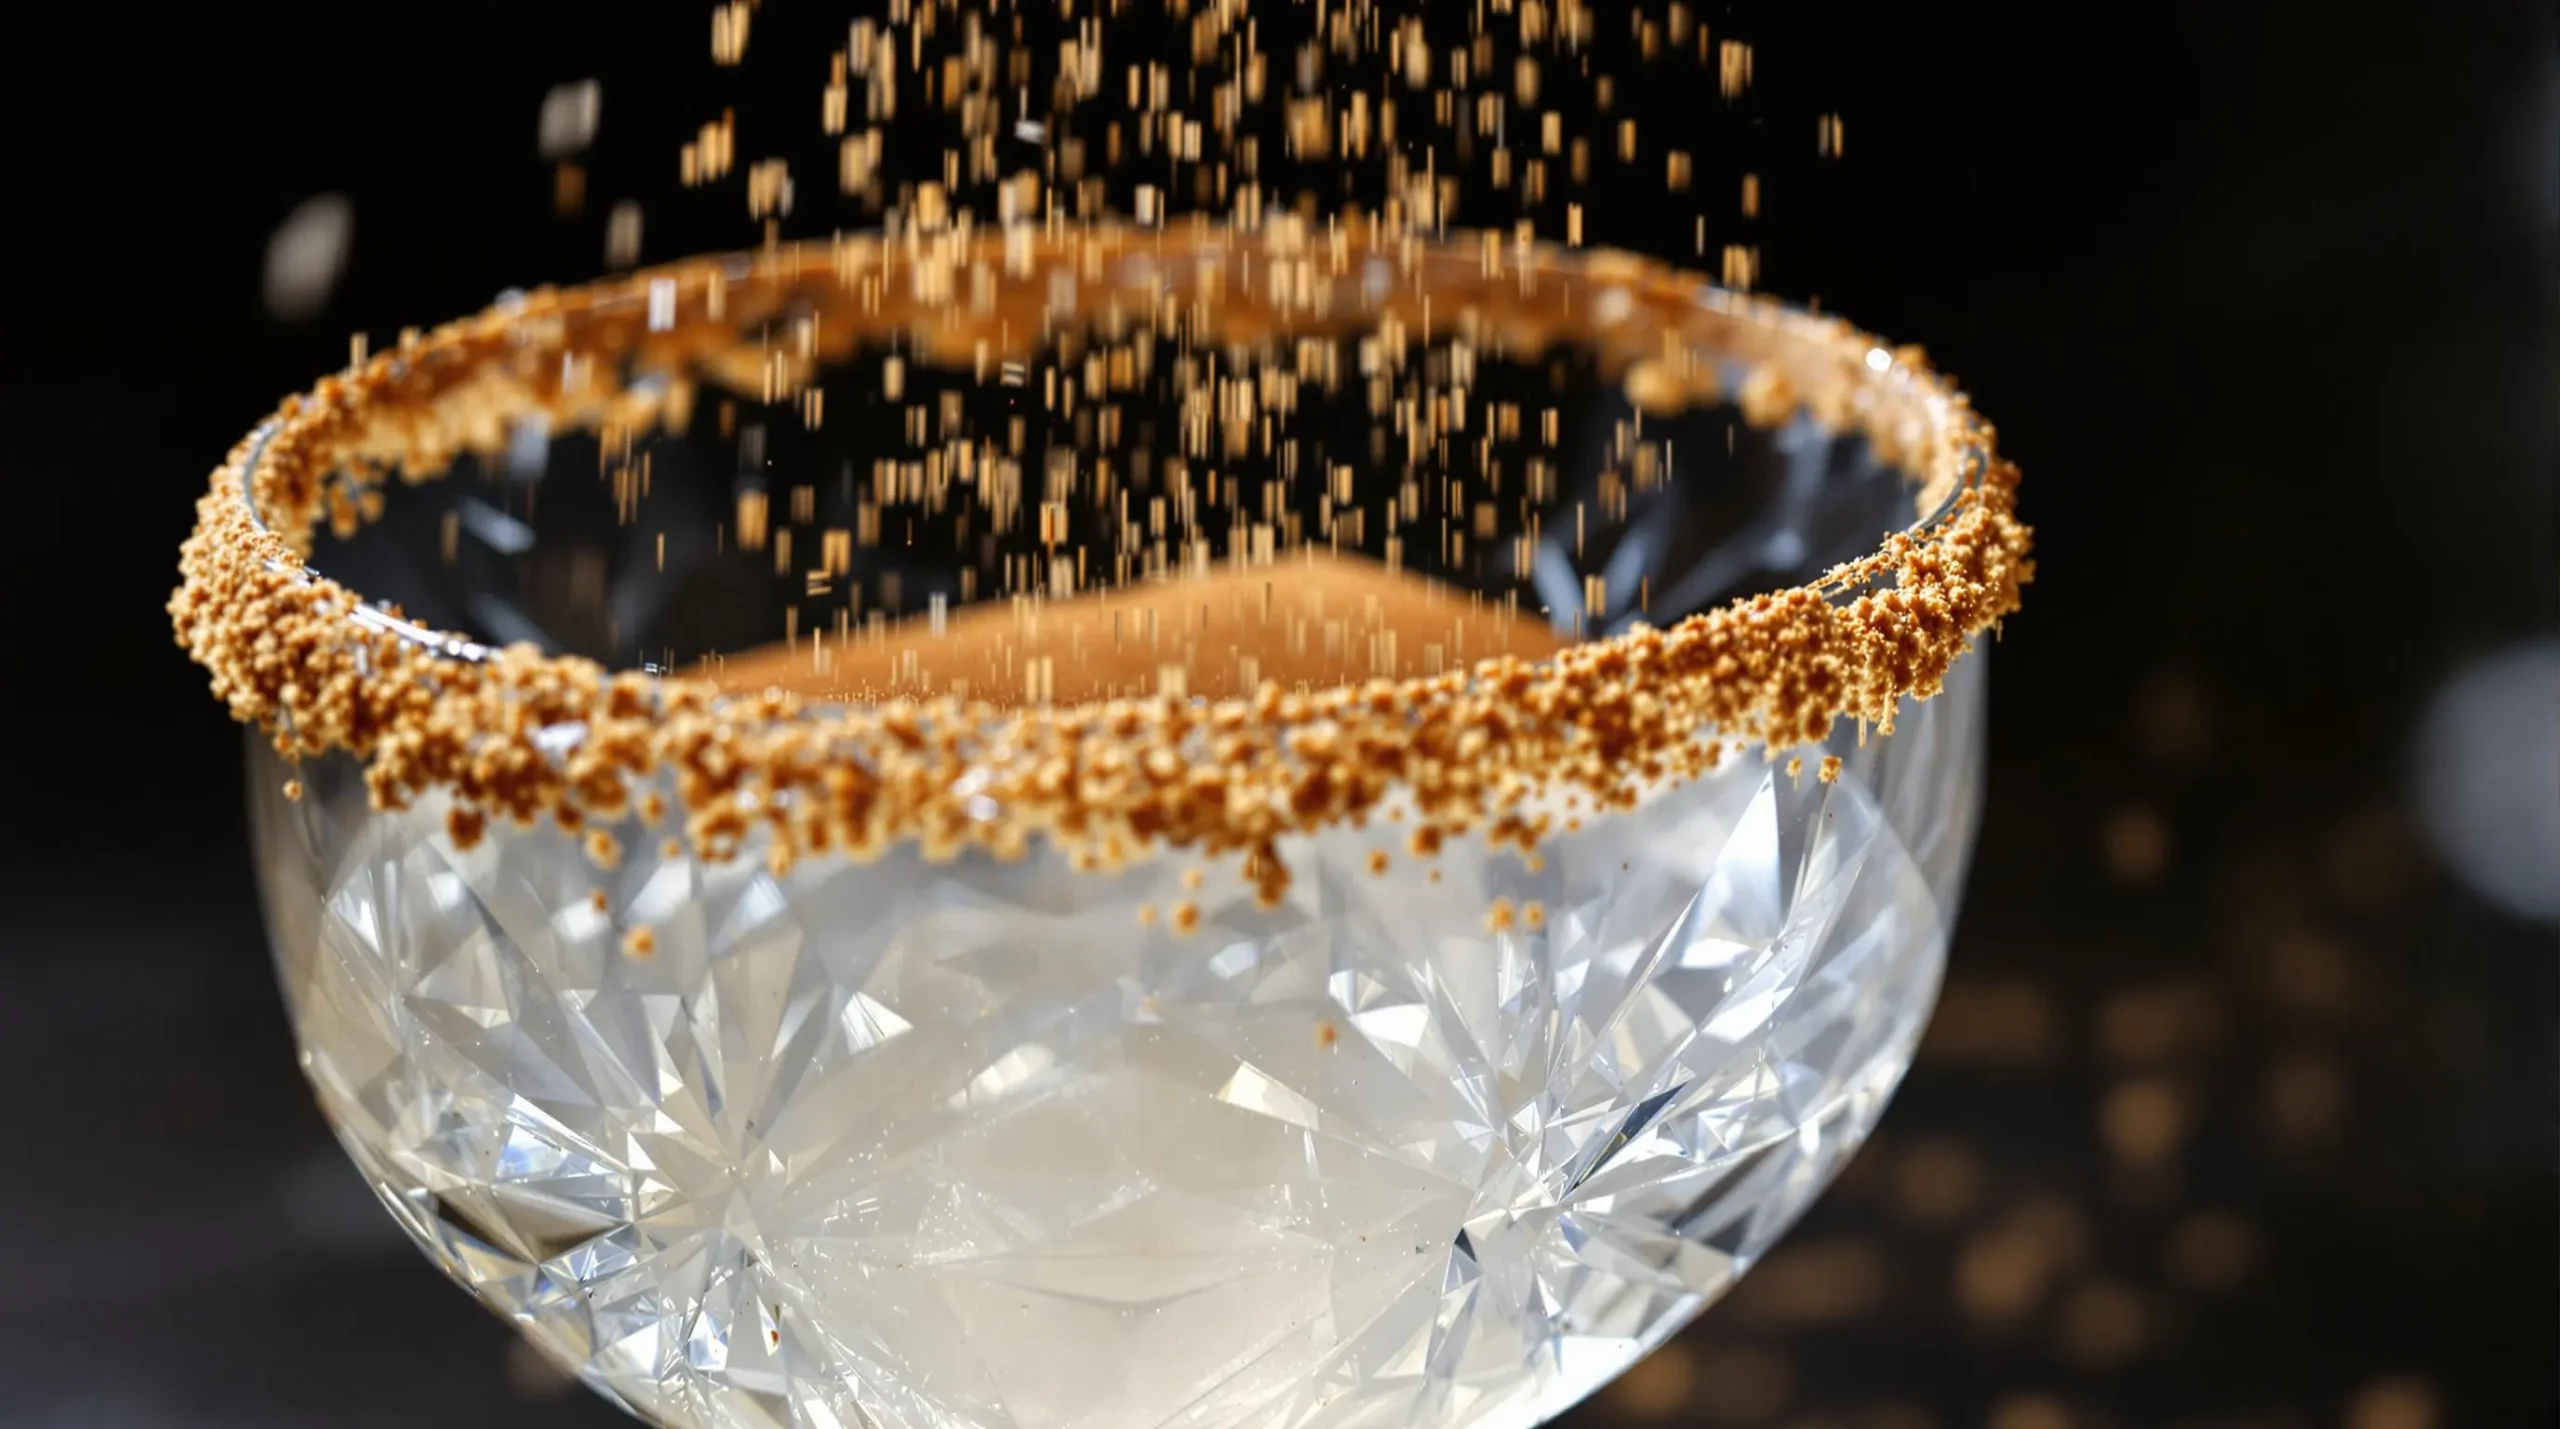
[[911, 1145]]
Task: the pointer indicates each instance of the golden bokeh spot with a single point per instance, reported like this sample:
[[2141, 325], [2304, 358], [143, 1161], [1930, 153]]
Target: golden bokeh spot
[[1657, 1386], [2306, 1097], [2030, 1411], [2101, 1324], [2005, 1024], [1805, 1283], [2212, 1250], [2395, 1402], [1937, 1182], [2134, 844], [2142, 1121]]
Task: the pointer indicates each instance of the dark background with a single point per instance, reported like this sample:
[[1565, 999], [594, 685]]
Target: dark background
[[2240, 1108]]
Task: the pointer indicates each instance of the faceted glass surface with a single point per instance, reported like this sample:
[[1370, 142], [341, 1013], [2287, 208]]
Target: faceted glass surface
[[966, 1146]]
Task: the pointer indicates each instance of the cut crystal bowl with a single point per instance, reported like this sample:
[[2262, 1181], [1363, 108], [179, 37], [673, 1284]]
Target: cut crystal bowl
[[972, 1103]]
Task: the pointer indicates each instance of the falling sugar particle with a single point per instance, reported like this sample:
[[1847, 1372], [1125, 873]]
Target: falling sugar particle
[[306, 257], [622, 237], [874, 63], [569, 115]]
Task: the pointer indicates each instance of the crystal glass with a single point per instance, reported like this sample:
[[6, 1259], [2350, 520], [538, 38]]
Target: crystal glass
[[985, 1137]]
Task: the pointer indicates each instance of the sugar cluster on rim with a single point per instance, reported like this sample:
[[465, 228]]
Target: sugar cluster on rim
[[1471, 750]]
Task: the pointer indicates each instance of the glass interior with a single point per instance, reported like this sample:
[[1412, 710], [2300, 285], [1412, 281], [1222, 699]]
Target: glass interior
[[899, 525]]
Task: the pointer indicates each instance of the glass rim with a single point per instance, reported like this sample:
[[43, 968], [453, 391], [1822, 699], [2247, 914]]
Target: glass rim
[[512, 732]]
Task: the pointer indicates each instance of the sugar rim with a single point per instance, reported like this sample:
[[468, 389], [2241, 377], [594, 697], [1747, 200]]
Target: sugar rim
[[517, 734]]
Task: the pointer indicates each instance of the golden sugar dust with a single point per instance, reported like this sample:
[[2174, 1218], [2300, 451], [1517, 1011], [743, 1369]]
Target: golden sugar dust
[[1102, 299]]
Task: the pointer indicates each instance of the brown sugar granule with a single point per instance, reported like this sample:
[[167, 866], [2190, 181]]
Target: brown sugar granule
[[640, 943], [603, 849], [653, 808], [1777, 669], [1186, 917], [1433, 875], [1225, 607], [293, 791], [1500, 917], [1830, 770], [1795, 767], [1378, 862], [598, 901], [1327, 1034], [1192, 879], [1533, 916], [671, 848]]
